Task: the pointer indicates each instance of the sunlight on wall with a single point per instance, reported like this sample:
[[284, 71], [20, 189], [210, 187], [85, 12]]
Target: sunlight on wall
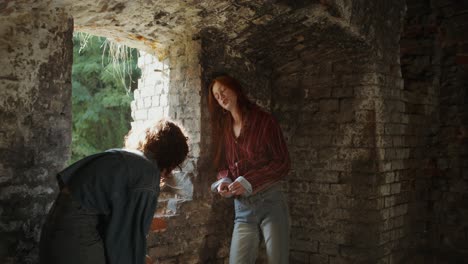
[[151, 98]]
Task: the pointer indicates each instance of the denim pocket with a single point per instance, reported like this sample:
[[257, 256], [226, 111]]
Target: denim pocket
[[244, 211], [240, 205]]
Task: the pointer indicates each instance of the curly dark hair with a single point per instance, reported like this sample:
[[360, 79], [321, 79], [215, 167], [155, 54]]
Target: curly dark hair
[[163, 141]]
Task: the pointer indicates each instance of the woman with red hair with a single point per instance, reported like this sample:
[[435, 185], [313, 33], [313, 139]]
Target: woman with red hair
[[251, 157]]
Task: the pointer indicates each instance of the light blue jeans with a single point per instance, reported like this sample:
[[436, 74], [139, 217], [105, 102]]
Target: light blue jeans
[[265, 213]]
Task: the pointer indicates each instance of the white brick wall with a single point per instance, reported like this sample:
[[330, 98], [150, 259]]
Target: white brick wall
[[150, 99]]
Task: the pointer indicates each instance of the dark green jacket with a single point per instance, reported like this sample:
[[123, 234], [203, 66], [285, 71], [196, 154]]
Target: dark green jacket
[[122, 187]]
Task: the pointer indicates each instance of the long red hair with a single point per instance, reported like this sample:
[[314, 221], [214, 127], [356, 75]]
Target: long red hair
[[221, 120]]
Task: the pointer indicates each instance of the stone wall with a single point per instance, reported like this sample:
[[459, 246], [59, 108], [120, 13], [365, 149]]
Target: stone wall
[[420, 73], [449, 231], [433, 49], [35, 133]]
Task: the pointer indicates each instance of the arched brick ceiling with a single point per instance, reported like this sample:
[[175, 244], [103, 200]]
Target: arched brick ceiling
[[155, 25]]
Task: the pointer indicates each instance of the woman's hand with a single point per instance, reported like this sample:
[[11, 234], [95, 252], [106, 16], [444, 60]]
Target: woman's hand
[[223, 189], [236, 188]]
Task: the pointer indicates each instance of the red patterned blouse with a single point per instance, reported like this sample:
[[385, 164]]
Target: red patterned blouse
[[259, 154]]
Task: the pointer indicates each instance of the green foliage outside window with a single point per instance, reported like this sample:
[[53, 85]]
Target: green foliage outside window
[[102, 86]]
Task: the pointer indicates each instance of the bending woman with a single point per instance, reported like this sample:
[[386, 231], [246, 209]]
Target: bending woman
[[252, 158], [107, 201]]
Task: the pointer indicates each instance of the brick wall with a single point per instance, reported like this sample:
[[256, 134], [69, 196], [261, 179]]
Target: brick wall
[[151, 98], [449, 231], [432, 52], [335, 129], [419, 66]]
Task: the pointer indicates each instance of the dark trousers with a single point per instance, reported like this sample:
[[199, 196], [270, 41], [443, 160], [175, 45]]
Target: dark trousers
[[71, 234]]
